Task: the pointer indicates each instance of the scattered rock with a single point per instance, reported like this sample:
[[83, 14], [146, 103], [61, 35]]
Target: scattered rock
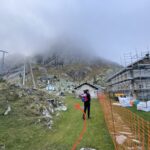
[[61, 108], [130, 148], [57, 114], [2, 146], [46, 113], [11, 93], [20, 94], [136, 141], [126, 133], [7, 111], [121, 139]]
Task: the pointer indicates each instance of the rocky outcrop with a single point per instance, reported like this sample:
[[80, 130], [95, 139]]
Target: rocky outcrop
[[37, 104], [2, 146]]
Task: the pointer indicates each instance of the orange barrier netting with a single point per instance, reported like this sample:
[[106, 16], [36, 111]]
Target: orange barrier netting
[[128, 130]]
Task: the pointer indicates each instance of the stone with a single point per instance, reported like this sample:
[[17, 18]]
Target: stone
[[11, 93], [20, 94], [136, 141], [7, 111], [126, 133], [61, 108], [2, 146], [121, 139], [51, 110], [46, 113], [57, 114]]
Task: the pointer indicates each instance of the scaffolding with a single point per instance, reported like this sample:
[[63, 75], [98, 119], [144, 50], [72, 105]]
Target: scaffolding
[[134, 78]]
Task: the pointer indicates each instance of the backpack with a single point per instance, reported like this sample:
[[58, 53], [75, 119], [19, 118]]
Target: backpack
[[84, 98]]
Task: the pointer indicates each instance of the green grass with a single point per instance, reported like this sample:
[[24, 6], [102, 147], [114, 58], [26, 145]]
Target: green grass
[[144, 115], [22, 134]]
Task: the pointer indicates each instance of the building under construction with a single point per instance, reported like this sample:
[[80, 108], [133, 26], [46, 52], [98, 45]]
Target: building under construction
[[133, 80]]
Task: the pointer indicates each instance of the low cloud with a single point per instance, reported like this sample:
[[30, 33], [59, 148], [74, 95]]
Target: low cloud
[[102, 28]]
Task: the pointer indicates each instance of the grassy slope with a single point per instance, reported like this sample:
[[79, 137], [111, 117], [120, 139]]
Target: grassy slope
[[23, 134]]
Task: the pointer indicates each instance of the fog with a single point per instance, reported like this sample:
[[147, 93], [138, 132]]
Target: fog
[[107, 28]]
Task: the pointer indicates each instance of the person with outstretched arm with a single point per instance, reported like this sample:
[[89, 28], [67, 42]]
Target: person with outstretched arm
[[87, 103]]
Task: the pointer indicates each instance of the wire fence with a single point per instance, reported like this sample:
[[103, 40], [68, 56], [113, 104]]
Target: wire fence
[[128, 130]]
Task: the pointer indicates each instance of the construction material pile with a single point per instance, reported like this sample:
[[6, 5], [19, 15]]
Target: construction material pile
[[125, 101], [144, 106], [130, 101]]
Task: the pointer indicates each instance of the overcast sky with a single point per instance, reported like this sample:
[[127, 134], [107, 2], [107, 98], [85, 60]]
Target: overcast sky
[[107, 28]]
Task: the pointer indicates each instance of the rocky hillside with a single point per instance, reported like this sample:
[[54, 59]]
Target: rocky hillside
[[65, 62], [39, 106], [77, 68]]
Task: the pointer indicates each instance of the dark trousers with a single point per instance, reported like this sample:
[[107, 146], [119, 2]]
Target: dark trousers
[[87, 107]]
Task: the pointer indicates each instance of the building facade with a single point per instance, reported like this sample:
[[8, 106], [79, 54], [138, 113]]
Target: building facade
[[132, 80]]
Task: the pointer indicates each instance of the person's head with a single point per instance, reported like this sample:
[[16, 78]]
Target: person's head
[[86, 91]]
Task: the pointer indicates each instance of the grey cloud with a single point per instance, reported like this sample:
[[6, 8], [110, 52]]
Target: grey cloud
[[106, 28]]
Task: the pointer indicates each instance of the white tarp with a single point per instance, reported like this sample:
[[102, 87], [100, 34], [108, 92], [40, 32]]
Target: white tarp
[[125, 101], [144, 106], [50, 88]]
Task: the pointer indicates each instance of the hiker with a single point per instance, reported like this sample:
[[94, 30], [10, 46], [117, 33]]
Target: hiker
[[87, 103]]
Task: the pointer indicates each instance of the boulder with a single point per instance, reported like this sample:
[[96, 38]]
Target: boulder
[[46, 113], [2, 146], [121, 139], [61, 108], [11, 93], [20, 94], [7, 111]]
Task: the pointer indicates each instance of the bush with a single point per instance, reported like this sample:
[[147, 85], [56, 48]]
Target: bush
[[2, 80]]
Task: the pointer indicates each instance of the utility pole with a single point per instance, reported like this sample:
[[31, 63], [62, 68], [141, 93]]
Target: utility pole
[[33, 80], [3, 58], [24, 74]]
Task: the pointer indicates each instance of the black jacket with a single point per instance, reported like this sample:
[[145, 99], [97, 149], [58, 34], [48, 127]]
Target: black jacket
[[88, 97]]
